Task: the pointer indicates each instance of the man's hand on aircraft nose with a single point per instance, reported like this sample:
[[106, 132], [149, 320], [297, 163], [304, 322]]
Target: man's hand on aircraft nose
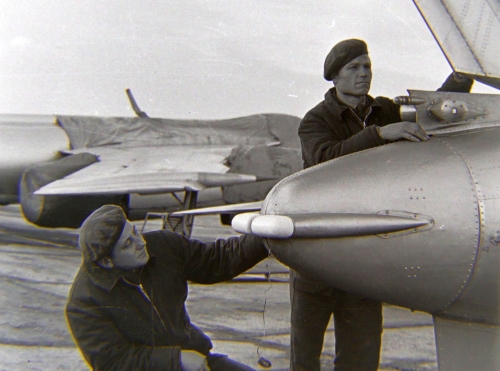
[[402, 130]]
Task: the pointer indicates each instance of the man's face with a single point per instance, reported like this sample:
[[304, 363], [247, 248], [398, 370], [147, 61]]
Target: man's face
[[355, 77], [130, 250]]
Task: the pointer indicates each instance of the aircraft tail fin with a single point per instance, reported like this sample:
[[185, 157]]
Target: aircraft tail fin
[[467, 32], [134, 104]]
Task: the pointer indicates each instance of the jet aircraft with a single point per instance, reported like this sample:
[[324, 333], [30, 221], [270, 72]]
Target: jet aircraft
[[413, 224], [71, 165]]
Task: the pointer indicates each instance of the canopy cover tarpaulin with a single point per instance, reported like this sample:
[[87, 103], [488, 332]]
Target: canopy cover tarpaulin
[[88, 132]]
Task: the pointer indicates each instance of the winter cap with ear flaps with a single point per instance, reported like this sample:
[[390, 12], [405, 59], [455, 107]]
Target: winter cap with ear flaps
[[100, 232]]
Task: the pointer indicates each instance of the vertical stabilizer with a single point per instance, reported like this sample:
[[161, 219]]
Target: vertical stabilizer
[[467, 32]]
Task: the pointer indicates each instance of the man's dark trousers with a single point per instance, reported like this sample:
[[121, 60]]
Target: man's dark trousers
[[358, 330]]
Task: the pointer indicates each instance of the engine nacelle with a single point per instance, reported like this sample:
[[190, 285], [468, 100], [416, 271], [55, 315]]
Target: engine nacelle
[[60, 211], [26, 140]]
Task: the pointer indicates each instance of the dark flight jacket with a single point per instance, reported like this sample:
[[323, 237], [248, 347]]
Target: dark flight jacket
[[119, 325], [332, 129]]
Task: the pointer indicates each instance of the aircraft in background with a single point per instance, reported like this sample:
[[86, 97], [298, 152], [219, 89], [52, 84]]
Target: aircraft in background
[[61, 168], [413, 224]]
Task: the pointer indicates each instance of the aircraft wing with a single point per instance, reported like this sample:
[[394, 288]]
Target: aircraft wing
[[149, 170], [467, 32], [235, 208]]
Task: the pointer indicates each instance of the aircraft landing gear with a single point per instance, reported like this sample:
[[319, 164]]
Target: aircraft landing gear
[[182, 225]]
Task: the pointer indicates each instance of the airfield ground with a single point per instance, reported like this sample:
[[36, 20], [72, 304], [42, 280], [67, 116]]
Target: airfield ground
[[244, 317]]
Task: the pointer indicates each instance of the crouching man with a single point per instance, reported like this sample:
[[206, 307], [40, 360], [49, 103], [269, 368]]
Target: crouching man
[[126, 309]]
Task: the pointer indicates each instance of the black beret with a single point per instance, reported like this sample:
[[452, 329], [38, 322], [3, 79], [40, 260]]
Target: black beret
[[341, 54], [100, 232]]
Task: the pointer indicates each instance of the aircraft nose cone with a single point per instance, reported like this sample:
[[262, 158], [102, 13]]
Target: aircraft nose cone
[[424, 181]]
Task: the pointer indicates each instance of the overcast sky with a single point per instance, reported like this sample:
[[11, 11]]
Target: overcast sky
[[201, 58]]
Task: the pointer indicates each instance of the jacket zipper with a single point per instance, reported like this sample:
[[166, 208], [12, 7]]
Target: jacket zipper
[[366, 117], [146, 296]]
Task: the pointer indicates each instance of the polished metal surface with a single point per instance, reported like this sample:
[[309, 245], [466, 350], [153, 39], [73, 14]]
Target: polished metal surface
[[430, 178], [449, 269], [408, 113], [452, 110], [445, 112], [330, 225], [480, 299]]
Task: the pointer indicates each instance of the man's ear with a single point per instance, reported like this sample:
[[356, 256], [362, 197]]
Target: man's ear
[[105, 262]]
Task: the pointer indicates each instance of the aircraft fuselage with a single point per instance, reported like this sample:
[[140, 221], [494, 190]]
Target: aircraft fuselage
[[449, 267]]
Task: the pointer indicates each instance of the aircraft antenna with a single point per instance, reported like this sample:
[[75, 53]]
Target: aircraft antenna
[[134, 105]]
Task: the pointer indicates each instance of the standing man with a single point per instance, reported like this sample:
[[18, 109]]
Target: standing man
[[347, 121], [126, 308]]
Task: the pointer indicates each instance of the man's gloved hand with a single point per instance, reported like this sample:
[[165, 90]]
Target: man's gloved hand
[[402, 130], [191, 360]]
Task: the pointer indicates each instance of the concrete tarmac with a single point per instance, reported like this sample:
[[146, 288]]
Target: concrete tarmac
[[245, 318]]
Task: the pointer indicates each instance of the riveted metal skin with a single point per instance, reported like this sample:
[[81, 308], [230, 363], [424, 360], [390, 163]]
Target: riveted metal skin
[[449, 269], [480, 298], [467, 331], [444, 113], [452, 110]]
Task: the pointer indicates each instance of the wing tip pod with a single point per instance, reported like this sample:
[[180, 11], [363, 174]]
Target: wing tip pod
[[273, 226], [225, 179], [242, 223], [329, 225]]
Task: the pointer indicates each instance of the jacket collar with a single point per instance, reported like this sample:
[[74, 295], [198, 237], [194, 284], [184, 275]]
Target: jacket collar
[[337, 107], [106, 279]]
